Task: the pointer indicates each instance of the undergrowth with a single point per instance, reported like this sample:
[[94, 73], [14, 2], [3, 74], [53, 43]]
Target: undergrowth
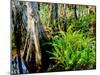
[[74, 50]]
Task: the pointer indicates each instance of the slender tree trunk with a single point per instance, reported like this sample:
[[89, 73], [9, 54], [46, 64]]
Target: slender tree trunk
[[59, 16], [50, 8], [38, 6], [65, 18], [75, 13], [54, 15]]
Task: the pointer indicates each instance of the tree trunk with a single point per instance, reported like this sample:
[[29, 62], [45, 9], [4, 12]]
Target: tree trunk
[[54, 14], [17, 32], [65, 19], [33, 19], [37, 34], [75, 13]]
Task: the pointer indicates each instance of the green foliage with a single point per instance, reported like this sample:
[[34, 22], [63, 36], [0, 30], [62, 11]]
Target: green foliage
[[73, 49], [83, 22], [44, 14]]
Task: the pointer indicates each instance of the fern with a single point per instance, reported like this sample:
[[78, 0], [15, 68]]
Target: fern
[[72, 48]]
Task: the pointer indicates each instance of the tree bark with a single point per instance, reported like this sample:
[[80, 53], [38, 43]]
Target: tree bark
[[75, 13], [65, 18], [17, 32], [37, 34]]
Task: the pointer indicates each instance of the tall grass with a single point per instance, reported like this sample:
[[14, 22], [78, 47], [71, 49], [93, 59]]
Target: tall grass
[[74, 50]]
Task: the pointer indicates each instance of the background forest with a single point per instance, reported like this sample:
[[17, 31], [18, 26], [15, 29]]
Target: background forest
[[49, 37]]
